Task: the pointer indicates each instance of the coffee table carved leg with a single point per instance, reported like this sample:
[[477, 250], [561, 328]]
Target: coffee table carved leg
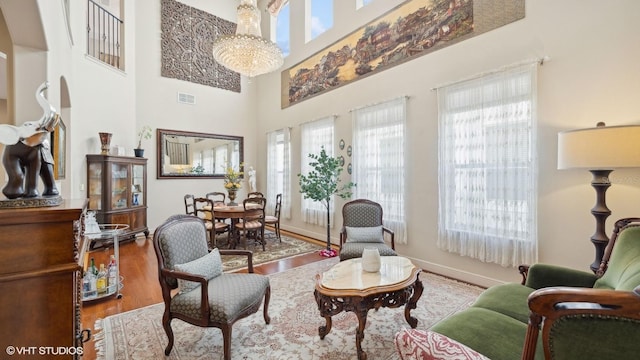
[[325, 329], [328, 307], [361, 313], [417, 292]]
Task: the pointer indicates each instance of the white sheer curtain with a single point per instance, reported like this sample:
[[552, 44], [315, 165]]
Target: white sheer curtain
[[488, 167], [279, 170], [315, 135], [379, 160]]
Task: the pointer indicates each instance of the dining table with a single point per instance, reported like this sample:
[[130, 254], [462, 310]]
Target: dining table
[[234, 213]]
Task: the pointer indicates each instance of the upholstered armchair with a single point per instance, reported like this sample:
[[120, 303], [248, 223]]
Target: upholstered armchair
[[194, 287], [362, 228], [598, 321]]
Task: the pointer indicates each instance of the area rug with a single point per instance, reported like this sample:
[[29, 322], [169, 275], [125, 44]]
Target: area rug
[[274, 250], [293, 332]]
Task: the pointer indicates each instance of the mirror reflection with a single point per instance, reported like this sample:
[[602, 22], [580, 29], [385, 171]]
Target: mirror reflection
[[191, 154]]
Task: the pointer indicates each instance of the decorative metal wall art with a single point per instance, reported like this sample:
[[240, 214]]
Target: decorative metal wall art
[[187, 36], [412, 29]]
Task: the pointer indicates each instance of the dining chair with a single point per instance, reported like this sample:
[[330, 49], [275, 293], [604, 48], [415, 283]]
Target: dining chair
[[217, 197], [204, 210], [362, 228], [274, 219], [255, 194], [218, 200], [252, 224], [194, 287], [189, 205]]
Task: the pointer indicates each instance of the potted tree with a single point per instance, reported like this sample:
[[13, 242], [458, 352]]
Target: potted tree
[[321, 183], [145, 132]]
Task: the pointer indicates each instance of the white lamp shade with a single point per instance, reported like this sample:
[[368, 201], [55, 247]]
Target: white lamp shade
[[599, 148]]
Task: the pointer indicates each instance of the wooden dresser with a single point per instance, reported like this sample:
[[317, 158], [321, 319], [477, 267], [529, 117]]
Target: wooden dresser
[[40, 281]]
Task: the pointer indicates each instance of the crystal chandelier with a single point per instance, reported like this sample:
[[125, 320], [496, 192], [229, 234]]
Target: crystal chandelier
[[247, 52]]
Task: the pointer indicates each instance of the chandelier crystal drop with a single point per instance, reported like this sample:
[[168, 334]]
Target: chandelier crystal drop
[[247, 52]]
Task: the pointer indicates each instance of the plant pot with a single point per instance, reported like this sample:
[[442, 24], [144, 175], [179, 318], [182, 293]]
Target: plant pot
[[138, 152]]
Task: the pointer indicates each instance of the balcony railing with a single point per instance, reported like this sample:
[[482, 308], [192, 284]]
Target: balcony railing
[[104, 35]]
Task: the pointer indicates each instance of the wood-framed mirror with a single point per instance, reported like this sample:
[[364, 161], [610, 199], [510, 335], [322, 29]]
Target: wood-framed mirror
[[185, 154]]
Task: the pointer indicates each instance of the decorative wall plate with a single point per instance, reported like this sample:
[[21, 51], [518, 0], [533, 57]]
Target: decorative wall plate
[[341, 159], [341, 144], [349, 168], [349, 151]]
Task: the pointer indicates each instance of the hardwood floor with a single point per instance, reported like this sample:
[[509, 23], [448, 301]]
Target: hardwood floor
[[139, 268]]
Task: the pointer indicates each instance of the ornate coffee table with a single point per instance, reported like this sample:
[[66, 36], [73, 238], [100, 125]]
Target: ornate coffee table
[[346, 287]]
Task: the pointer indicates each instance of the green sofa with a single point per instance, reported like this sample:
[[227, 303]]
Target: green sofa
[[560, 313]]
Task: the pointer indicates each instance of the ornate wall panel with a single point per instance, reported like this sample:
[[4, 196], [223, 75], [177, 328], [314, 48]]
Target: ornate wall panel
[[412, 29], [187, 35]]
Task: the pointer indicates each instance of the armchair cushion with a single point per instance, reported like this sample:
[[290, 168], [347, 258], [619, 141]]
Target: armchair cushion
[[507, 300], [208, 266], [623, 272], [354, 250], [229, 296], [429, 345], [369, 234], [490, 333]]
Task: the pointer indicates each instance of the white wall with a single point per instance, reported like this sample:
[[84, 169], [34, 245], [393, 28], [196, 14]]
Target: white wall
[[592, 76], [216, 111]]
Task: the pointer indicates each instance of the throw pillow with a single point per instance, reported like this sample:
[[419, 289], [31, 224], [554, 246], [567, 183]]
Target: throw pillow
[[208, 266], [428, 345], [371, 234]]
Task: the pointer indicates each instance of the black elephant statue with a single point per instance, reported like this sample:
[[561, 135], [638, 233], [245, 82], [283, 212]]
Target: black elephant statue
[[27, 153]]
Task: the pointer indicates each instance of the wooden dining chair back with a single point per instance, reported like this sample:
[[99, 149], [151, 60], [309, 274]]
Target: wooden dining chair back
[[252, 224], [255, 194], [194, 287], [204, 209], [189, 204], [217, 197], [274, 219]]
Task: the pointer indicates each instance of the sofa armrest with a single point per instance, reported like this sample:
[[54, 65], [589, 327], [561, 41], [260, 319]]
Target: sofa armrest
[[554, 302], [392, 236], [546, 275], [579, 318]]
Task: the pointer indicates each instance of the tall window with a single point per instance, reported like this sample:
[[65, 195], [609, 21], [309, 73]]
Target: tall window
[[279, 170], [488, 167], [379, 160], [282, 34], [315, 135], [319, 17]]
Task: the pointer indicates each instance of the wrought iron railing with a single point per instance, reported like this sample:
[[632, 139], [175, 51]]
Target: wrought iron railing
[[104, 35]]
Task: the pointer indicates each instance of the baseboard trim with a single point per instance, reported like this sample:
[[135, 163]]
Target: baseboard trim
[[447, 271]]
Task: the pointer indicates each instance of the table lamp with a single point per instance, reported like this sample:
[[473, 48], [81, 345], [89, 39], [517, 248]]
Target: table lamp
[[600, 150]]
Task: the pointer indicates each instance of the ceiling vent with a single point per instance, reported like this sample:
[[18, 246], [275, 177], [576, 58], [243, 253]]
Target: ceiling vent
[[184, 98]]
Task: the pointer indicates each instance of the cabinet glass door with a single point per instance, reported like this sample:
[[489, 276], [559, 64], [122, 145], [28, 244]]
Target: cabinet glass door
[[137, 185], [95, 186], [119, 186]]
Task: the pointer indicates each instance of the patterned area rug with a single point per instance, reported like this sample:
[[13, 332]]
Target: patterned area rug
[[293, 332], [274, 250]]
